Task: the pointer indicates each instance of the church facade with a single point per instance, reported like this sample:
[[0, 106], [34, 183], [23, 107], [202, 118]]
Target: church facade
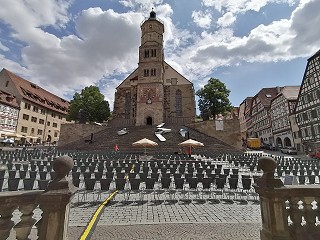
[[155, 92]]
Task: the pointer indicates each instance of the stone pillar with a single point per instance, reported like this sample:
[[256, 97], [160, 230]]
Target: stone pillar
[[272, 203], [55, 201]]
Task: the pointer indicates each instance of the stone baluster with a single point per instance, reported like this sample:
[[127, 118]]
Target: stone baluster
[[23, 228], [317, 210], [273, 212], [6, 223], [55, 202], [295, 213], [309, 213]]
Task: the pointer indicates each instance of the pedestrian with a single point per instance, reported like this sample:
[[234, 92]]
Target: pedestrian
[[189, 151], [116, 148]]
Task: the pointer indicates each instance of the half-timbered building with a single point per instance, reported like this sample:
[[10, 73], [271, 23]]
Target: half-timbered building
[[307, 111]]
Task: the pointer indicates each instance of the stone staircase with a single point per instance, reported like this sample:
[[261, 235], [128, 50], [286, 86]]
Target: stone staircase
[[106, 139]]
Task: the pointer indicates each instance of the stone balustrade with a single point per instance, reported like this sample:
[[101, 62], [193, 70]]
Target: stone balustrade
[[54, 203], [287, 211]]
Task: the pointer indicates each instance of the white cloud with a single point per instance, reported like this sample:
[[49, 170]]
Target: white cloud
[[3, 48], [106, 42], [73, 63], [13, 66], [305, 25], [142, 5], [241, 6], [226, 20], [281, 40], [32, 14], [202, 19]]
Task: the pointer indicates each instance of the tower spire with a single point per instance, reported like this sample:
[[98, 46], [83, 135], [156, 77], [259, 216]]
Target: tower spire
[[152, 14]]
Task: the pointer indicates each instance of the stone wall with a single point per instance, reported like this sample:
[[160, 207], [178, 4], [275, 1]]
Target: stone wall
[[73, 132], [230, 135], [188, 104]]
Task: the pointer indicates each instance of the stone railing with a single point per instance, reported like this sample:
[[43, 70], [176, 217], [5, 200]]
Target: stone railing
[[287, 212], [54, 203]]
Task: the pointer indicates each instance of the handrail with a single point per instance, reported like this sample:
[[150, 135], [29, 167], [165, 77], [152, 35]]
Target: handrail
[[287, 212], [54, 203]]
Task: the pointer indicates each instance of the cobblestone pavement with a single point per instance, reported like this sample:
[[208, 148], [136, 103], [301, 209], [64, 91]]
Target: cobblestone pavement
[[186, 231], [161, 216], [165, 218], [124, 213]]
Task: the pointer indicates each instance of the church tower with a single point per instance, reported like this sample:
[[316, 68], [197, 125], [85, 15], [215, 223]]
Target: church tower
[[150, 81], [155, 92]]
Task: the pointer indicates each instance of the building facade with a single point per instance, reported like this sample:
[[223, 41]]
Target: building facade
[[307, 111], [244, 115], [260, 122], [41, 112], [296, 134], [9, 112], [155, 92], [282, 106]]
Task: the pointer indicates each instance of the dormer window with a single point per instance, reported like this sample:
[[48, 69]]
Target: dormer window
[[33, 85]]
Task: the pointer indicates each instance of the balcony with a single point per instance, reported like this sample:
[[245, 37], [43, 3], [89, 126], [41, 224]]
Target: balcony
[[53, 201], [288, 212]]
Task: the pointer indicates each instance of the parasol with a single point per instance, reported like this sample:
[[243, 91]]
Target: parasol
[[145, 143], [191, 143]]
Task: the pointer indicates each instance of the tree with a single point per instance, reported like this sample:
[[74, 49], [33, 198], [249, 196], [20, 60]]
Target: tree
[[90, 104], [213, 98]]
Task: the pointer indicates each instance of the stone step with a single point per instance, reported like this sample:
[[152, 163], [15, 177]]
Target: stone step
[[106, 139]]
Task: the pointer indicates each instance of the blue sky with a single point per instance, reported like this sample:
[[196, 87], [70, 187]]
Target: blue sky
[[66, 45]]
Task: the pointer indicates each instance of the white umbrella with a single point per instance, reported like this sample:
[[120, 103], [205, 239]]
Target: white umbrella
[[33, 137], [145, 143], [191, 143], [16, 135]]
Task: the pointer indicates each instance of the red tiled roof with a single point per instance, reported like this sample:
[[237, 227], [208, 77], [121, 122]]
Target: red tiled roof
[[38, 95], [266, 95]]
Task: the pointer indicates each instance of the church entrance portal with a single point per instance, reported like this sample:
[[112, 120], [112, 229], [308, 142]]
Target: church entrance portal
[[149, 120]]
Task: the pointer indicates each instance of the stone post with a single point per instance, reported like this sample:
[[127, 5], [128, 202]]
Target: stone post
[[274, 217], [55, 201]]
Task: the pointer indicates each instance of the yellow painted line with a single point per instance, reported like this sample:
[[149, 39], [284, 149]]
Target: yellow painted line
[[95, 216], [90, 227]]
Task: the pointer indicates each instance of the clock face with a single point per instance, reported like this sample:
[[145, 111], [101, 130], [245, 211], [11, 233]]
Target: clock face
[[149, 95]]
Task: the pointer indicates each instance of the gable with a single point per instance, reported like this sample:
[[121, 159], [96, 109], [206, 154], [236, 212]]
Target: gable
[[173, 77], [132, 79]]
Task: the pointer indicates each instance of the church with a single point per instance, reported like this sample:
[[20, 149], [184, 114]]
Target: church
[[155, 92]]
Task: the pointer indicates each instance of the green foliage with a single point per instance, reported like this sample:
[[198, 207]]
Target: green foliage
[[213, 98], [92, 102]]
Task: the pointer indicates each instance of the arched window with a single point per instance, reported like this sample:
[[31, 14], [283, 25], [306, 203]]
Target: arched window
[[127, 108], [146, 53], [178, 103], [153, 52]]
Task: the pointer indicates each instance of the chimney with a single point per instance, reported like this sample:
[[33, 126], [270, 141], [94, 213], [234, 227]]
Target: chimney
[[278, 89]]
